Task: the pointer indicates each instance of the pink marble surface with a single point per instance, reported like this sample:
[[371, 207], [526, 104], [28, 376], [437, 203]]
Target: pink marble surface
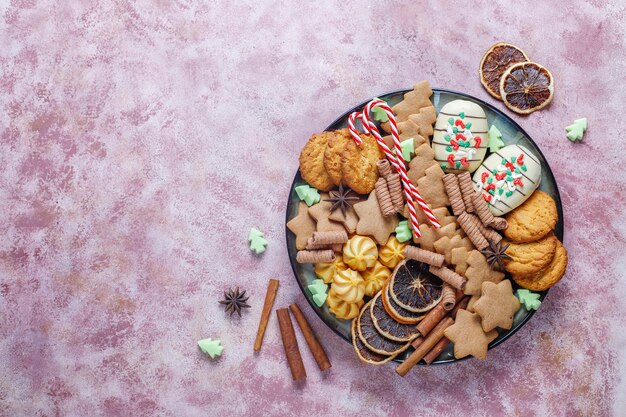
[[141, 140]]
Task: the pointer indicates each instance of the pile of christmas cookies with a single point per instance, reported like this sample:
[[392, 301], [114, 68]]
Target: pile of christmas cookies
[[441, 285]]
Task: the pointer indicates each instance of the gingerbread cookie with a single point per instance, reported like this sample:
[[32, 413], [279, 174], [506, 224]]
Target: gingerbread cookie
[[461, 136], [458, 258], [312, 162], [303, 226], [546, 278], [372, 222], [534, 219], [468, 336], [507, 178], [349, 219], [528, 258], [447, 244], [358, 165], [424, 158], [332, 154], [413, 101], [424, 120], [497, 305], [430, 235], [441, 214], [477, 272], [320, 212], [431, 187], [407, 130]]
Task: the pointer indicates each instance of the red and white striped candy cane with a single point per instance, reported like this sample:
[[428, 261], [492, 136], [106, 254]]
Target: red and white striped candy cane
[[410, 191]]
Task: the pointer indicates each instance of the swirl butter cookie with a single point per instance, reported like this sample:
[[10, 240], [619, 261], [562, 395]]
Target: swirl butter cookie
[[311, 160]]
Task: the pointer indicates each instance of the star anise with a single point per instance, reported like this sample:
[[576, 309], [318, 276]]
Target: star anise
[[342, 199], [234, 300], [496, 254]]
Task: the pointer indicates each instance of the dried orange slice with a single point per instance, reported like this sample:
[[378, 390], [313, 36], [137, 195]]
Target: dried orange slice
[[398, 313], [414, 287], [526, 87], [387, 326], [372, 339], [497, 60], [364, 353]]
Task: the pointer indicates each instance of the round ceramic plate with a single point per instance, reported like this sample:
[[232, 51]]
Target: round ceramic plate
[[512, 133]]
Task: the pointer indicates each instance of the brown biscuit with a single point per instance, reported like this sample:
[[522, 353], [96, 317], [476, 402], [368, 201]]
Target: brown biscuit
[[372, 222], [431, 187], [303, 226], [312, 162], [425, 120], [320, 212], [447, 244], [332, 155], [413, 101], [358, 165], [534, 219], [528, 258], [546, 278], [497, 305], [479, 271], [424, 158], [468, 336]]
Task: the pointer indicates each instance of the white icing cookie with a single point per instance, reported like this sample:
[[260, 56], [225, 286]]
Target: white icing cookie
[[507, 178], [461, 136]]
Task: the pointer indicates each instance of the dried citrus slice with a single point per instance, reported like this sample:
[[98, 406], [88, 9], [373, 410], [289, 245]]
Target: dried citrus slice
[[398, 313], [414, 287], [497, 60], [526, 87], [364, 353], [372, 339], [387, 326]]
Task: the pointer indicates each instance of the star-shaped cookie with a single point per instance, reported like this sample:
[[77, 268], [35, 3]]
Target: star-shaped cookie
[[321, 212], [431, 235], [468, 336], [447, 244], [497, 305], [303, 226], [478, 271], [372, 222], [349, 219]]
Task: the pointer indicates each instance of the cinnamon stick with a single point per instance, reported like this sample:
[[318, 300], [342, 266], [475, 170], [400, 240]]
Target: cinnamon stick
[[443, 343], [314, 345], [434, 316], [429, 342], [291, 345], [270, 296]]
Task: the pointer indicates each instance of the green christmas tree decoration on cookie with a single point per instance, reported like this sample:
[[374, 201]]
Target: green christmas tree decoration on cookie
[[257, 241], [576, 130], [211, 347], [529, 299], [495, 139], [308, 194], [408, 148], [403, 231], [380, 115]]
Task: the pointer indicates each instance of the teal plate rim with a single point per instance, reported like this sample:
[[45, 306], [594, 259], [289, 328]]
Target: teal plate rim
[[558, 231]]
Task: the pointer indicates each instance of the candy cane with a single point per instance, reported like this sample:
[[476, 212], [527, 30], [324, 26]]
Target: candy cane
[[410, 191]]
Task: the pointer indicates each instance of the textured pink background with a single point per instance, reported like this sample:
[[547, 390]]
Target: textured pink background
[[140, 141]]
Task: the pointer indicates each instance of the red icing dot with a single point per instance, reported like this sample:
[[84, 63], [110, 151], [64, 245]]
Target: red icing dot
[[518, 181], [460, 136], [510, 166], [490, 187], [487, 197], [459, 122], [500, 175], [477, 139], [451, 159], [484, 177], [455, 144], [520, 159], [464, 162]]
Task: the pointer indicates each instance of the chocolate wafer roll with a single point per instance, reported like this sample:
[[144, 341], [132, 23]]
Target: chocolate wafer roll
[[469, 224], [422, 255], [315, 256], [499, 223], [337, 247], [329, 237], [384, 198], [467, 190], [451, 182], [490, 234], [448, 296], [449, 276], [384, 168], [395, 190], [481, 208]]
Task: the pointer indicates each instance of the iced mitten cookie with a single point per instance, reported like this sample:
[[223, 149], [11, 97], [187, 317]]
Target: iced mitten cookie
[[460, 138], [507, 178]]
